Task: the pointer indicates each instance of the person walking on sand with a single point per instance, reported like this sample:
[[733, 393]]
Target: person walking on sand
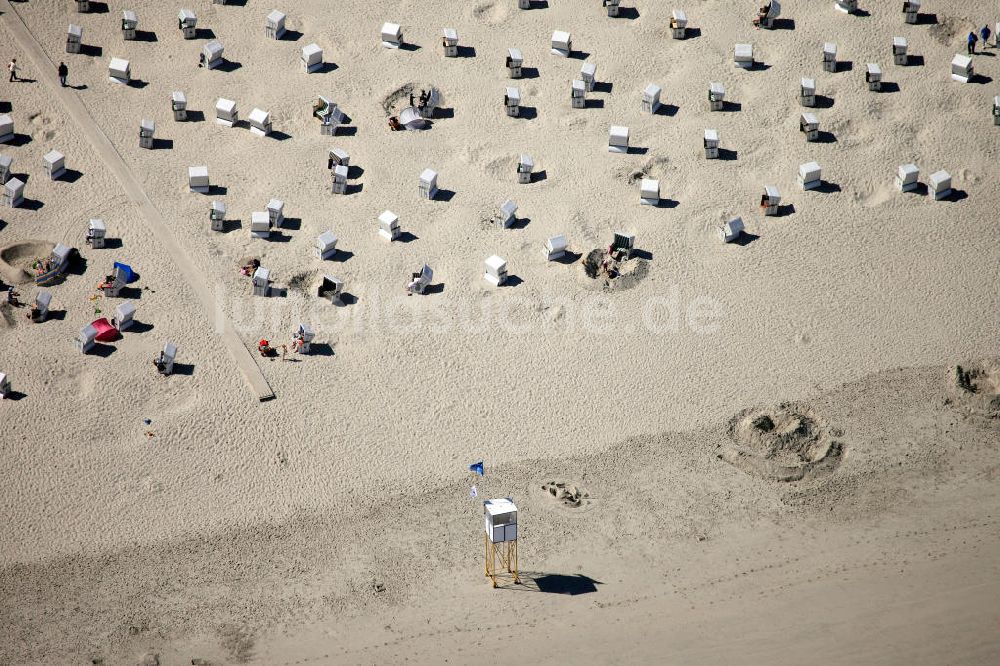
[[63, 73], [984, 35], [12, 68], [972, 43]]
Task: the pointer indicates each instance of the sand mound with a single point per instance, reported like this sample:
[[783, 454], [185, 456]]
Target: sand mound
[[783, 443], [945, 30], [567, 494], [654, 167], [16, 259], [562, 494], [623, 274], [302, 282], [491, 13], [7, 318], [976, 387]]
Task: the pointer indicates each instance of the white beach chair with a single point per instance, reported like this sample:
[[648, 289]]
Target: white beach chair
[[496, 270]]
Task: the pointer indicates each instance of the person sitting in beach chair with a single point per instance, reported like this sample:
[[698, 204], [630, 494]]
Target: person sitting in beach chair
[[12, 297], [761, 15], [41, 266], [250, 267], [158, 361]]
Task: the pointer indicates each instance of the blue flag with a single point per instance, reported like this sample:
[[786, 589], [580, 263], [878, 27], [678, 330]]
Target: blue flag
[[477, 468]]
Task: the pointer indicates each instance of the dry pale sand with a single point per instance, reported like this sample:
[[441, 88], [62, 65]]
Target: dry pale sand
[[856, 523]]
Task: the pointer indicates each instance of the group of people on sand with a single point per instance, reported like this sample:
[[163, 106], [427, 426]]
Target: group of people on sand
[[13, 299], [265, 349], [761, 15], [62, 71], [984, 35], [425, 97], [41, 266]]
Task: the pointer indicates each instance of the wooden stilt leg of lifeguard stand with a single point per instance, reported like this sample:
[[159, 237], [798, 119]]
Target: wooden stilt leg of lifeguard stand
[[504, 552]]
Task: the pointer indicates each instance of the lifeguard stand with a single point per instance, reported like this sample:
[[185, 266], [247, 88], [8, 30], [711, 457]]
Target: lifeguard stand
[[500, 520]]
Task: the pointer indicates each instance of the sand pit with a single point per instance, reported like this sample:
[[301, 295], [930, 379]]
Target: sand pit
[[566, 494], [788, 442], [623, 275], [16, 260], [301, 283], [399, 99], [976, 388], [654, 167], [7, 317], [946, 29]]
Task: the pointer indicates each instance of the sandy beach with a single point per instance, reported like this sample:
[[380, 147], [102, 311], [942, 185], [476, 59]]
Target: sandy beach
[[770, 452]]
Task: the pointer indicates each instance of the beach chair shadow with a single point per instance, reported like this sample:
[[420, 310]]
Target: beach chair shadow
[[824, 102], [321, 348]]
